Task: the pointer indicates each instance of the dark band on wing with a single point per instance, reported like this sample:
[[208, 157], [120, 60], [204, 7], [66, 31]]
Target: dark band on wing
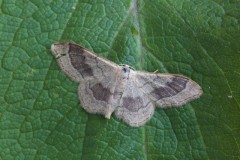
[[133, 104], [78, 60], [171, 89], [100, 93]]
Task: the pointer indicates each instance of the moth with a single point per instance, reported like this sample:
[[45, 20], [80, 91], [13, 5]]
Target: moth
[[106, 87]]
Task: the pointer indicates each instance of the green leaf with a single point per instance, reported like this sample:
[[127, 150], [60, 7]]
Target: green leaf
[[40, 113]]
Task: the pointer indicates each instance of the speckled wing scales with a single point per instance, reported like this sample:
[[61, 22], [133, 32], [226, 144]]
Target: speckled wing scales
[[97, 75], [135, 108], [168, 90], [79, 63], [96, 96]]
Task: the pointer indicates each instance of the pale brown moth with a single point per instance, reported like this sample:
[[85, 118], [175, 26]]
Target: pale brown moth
[[106, 87]]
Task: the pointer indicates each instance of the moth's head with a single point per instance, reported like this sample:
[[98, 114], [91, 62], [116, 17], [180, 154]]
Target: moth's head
[[125, 71]]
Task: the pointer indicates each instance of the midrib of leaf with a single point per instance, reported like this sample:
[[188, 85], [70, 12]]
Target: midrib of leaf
[[142, 49], [134, 6]]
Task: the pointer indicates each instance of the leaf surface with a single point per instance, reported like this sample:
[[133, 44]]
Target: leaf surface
[[40, 117]]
